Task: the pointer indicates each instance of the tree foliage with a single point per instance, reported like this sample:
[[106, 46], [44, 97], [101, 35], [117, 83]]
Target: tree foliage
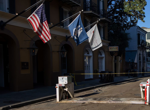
[[123, 15], [135, 8]]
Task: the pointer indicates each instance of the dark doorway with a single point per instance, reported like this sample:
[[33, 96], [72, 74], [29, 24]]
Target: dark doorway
[[4, 67], [41, 65], [66, 60]]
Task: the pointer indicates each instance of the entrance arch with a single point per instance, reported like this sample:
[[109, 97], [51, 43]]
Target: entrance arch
[[41, 63], [9, 60], [88, 63], [66, 59]]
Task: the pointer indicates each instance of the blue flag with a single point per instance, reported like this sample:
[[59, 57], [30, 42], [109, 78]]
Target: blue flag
[[77, 30]]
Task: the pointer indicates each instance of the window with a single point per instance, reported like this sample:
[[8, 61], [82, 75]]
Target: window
[[65, 15], [4, 5], [148, 35]]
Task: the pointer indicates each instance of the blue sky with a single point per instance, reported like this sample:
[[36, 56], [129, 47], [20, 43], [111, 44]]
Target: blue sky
[[147, 16]]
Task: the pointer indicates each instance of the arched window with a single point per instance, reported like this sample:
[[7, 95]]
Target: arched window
[[88, 63], [101, 60]]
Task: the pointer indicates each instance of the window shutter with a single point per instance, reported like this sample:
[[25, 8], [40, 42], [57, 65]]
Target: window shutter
[[99, 29], [85, 22], [12, 6], [98, 6], [61, 15], [47, 11], [70, 14], [84, 5], [103, 8], [34, 8], [103, 32]]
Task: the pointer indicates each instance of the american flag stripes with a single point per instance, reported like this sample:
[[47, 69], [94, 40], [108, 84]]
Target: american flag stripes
[[39, 23]]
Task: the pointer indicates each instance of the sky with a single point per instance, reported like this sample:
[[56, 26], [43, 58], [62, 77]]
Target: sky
[[147, 16]]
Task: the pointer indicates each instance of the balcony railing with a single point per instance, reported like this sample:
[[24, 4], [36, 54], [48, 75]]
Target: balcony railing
[[142, 43], [72, 2], [103, 13], [91, 6]]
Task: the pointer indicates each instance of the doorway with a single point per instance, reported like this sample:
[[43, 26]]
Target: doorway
[[4, 68], [41, 64], [66, 54]]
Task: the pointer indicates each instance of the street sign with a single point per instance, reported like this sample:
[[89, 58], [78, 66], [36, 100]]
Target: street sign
[[113, 48]]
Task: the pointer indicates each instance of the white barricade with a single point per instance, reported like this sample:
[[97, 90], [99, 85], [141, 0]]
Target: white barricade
[[142, 89], [64, 88], [145, 91]]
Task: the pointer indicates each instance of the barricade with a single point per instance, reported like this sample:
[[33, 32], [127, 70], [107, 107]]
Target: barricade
[[64, 88], [145, 91]]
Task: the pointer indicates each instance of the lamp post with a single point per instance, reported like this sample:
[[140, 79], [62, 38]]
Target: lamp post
[[63, 52], [129, 68], [34, 49]]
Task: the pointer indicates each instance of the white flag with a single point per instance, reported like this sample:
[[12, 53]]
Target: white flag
[[94, 38]]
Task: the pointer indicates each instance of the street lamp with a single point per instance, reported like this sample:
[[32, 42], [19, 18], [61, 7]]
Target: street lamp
[[63, 52], [34, 49]]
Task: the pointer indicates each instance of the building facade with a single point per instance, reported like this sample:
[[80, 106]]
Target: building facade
[[136, 51], [27, 62], [147, 49]]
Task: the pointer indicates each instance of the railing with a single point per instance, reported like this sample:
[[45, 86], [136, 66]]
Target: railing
[[91, 6], [77, 1], [142, 43]]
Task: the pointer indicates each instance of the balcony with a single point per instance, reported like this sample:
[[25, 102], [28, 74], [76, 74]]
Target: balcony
[[72, 2], [91, 9], [142, 43]]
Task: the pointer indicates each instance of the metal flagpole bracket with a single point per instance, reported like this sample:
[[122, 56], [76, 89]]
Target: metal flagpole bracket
[[66, 19], [3, 24], [67, 37]]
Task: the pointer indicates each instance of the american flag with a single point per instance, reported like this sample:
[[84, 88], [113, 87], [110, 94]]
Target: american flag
[[39, 23]]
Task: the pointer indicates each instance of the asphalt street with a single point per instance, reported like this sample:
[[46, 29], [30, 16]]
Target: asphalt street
[[129, 89]]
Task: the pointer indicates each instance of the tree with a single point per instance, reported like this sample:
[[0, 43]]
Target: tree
[[135, 8], [123, 15]]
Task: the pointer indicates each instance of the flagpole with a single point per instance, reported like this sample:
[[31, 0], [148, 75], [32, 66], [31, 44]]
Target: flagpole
[[66, 19], [92, 23], [67, 37], [4, 23]]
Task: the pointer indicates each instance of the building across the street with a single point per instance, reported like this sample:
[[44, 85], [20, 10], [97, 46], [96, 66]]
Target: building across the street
[[148, 48], [136, 51], [26, 62]]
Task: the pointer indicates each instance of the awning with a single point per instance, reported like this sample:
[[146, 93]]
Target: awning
[[132, 55]]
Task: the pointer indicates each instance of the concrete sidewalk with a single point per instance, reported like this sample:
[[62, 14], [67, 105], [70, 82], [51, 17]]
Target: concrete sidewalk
[[47, 92]]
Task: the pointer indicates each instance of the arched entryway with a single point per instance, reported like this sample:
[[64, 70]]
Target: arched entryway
[[88, 63], [9, 61], [67, 59], [101, 60], [42, 67]]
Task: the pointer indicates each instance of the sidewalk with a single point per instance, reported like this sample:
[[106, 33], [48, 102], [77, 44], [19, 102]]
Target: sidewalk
[[17, 97]]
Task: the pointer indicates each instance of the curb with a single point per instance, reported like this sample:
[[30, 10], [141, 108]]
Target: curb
[[17, 105]]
